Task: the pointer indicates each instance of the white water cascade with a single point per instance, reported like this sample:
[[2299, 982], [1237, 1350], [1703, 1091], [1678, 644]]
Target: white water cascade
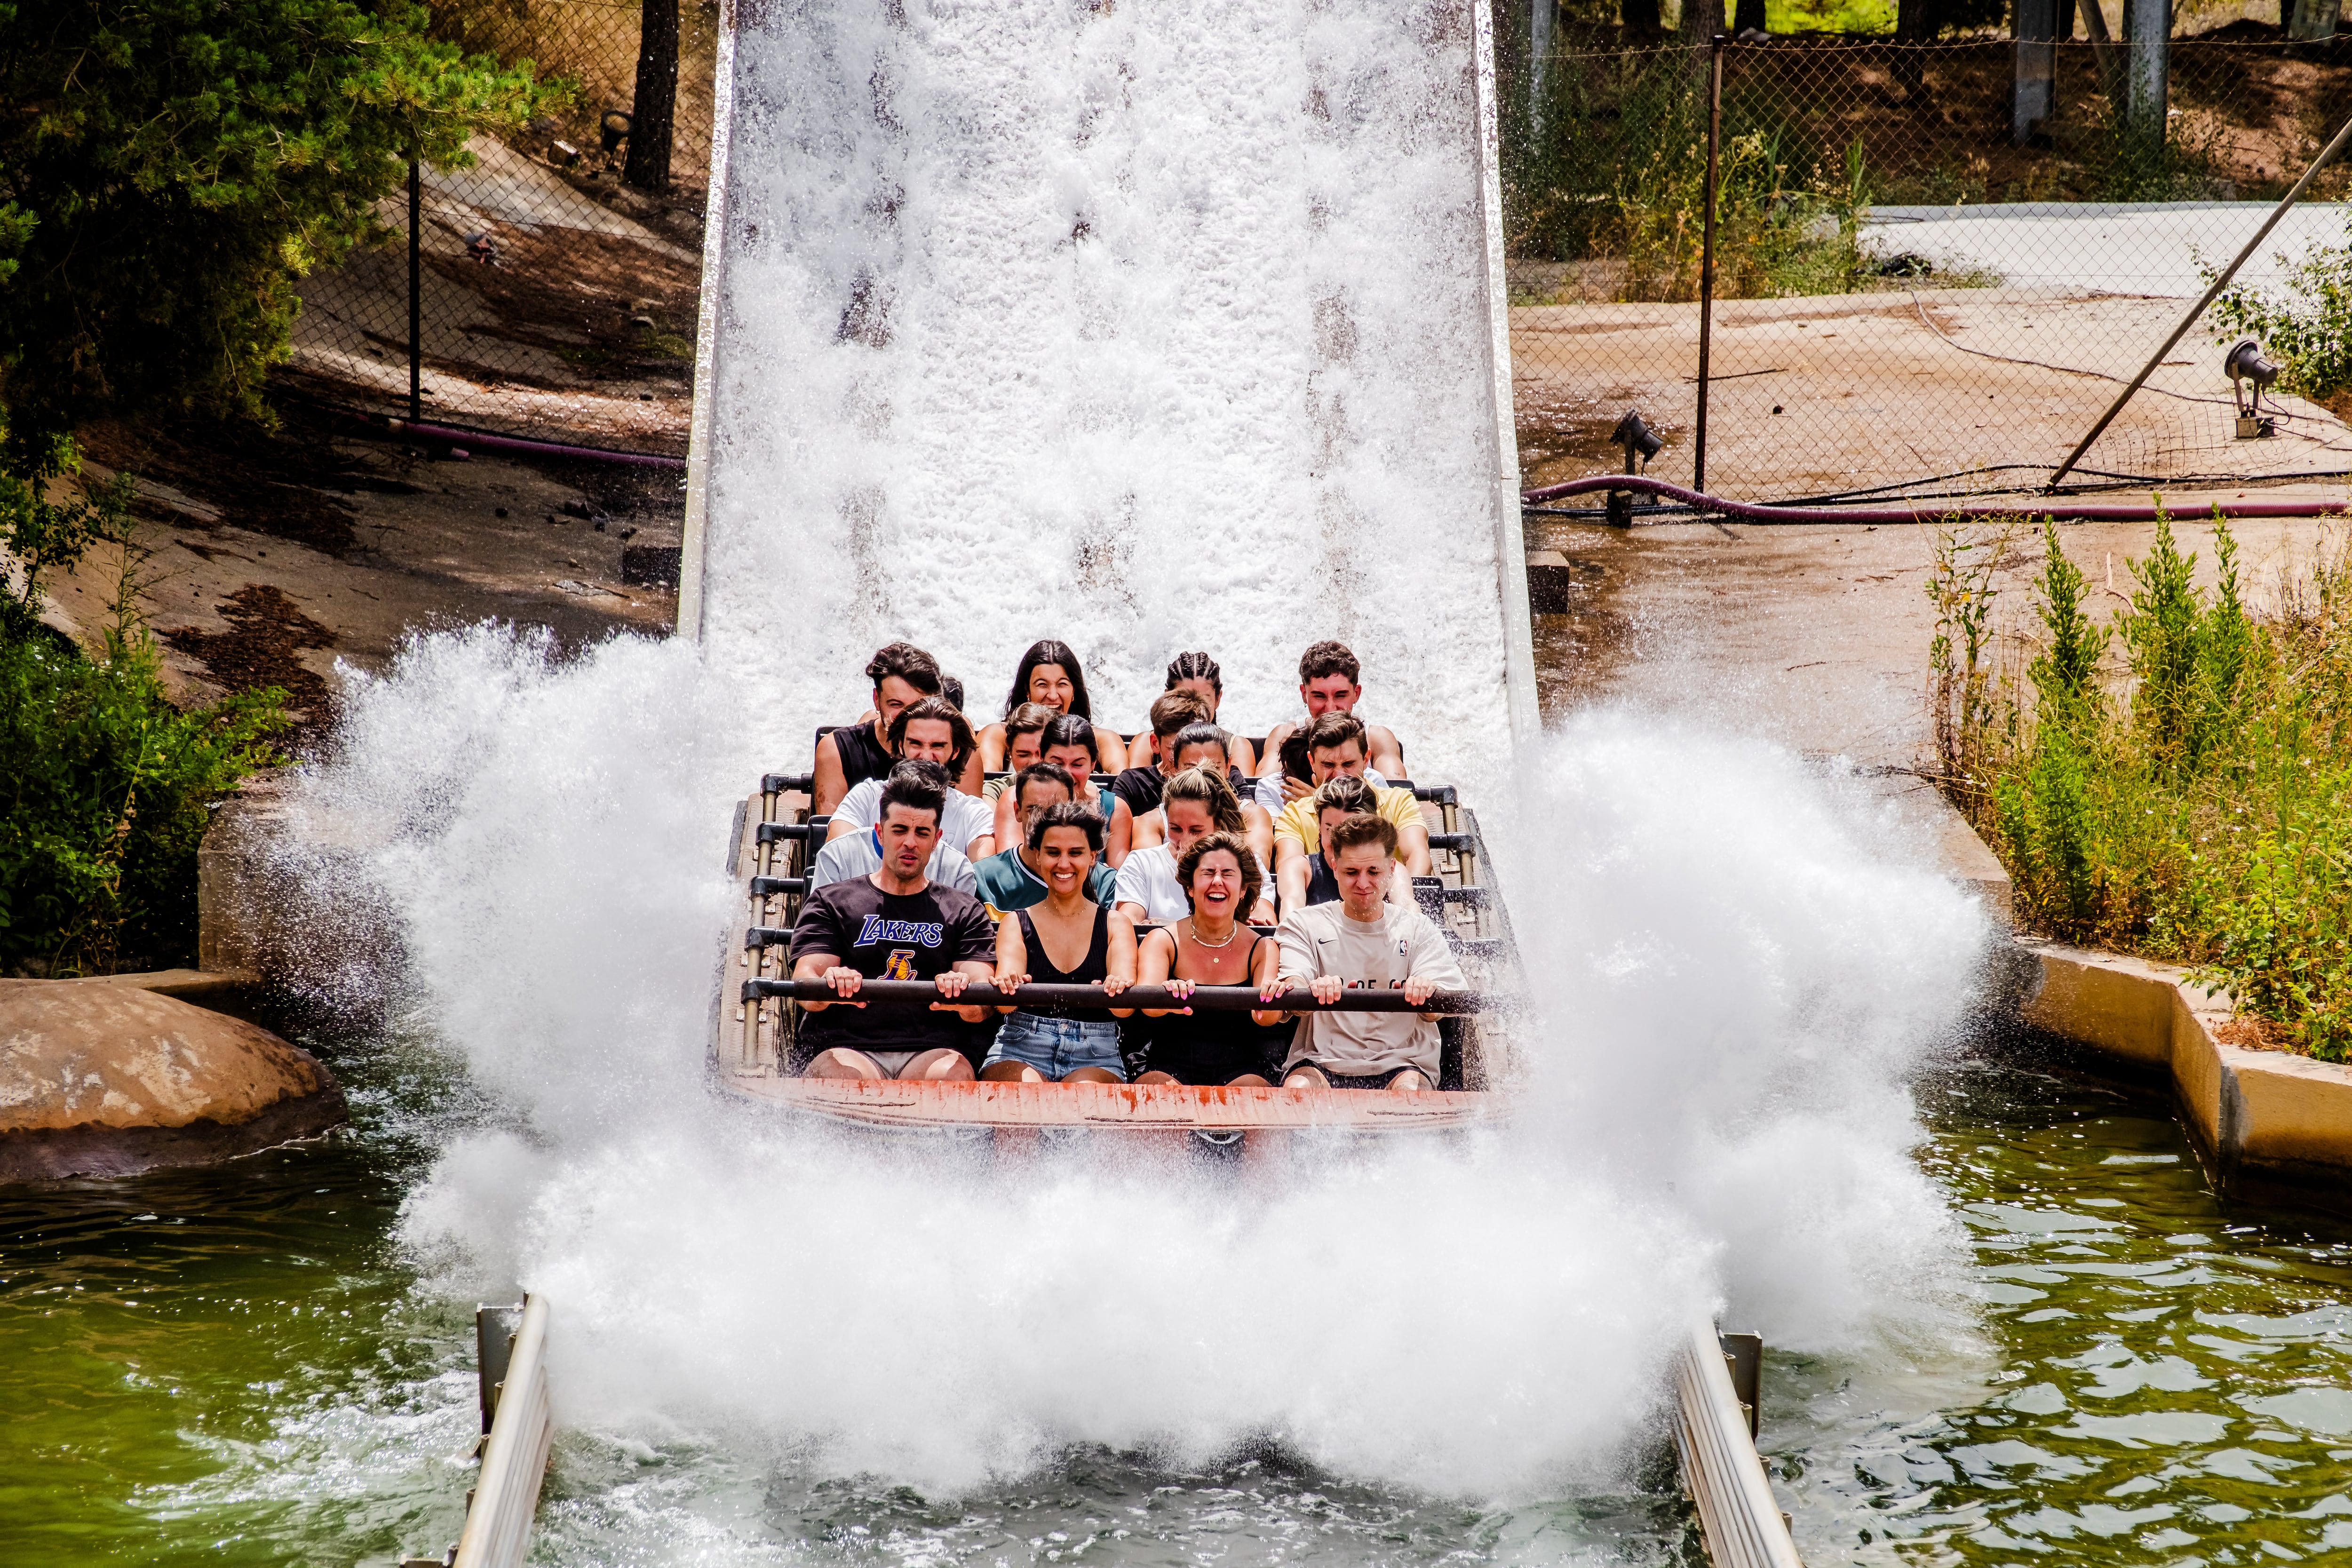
[[1151, 329]]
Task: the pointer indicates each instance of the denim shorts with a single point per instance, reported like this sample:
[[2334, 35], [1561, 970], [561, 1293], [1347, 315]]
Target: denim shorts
[[1059, 1047]]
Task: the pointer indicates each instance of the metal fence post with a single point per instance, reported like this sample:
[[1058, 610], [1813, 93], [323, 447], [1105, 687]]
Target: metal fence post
[[416, 309], [1706, 257]]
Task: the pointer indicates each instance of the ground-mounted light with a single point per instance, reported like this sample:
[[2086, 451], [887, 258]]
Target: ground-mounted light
[[2249, 374], [615, 127], [1641, 444]]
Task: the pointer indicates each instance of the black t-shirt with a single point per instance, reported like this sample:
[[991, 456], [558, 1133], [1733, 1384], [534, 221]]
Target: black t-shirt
[[1140, 787], [889, 937]]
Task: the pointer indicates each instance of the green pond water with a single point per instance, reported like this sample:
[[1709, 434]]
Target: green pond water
[[234, 1367]]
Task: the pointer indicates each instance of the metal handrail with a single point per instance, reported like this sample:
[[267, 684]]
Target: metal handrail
[[1737, 1513], [514, 1457], [1202, 999]]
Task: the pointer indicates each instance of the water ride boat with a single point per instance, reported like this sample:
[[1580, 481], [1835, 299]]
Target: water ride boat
[[755, 1012]]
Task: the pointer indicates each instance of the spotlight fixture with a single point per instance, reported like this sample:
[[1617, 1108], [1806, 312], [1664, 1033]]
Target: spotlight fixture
[[615, 129], [2245, 362], [1641, 444]]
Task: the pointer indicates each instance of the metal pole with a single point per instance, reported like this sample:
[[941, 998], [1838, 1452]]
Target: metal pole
[[416, 311], [1540, 21], [2219, 283], [1707, 256]]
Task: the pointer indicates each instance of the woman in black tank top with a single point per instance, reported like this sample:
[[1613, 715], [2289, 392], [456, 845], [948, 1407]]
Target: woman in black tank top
[[1219, 877], [1059, 1043]]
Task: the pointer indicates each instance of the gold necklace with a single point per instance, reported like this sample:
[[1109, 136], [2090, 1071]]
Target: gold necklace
[[1199, 940]]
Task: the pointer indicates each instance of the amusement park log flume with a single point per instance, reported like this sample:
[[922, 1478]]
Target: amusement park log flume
[[1149, 329]]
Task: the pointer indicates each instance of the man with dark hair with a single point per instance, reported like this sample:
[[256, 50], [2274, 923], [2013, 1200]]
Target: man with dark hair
[[932, 731], [1328, 682], [860, 854], [1011, 878], [1364, 943], [1335, 749], [1172, 712], [902, 674], [894, 924]]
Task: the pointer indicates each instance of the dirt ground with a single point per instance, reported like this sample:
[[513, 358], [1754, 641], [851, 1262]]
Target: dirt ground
[[1818, 635], [274, 556], [1834, 393]]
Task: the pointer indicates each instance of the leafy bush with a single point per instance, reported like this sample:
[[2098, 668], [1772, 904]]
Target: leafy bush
[[2308, 330], [104, 787], [2196, 805], [1618, 169], [168, 170]]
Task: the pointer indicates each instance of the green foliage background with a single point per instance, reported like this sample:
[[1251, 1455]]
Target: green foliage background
[[169, 168], [2194, 805]]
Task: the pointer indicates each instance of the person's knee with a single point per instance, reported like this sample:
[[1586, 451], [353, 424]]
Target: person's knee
[[1156, 1076], [1305, 1077], [1249, 1080], [1011, 1071], [1092, 1075], [838, 1062], [941, 1066], [1407, 1081]]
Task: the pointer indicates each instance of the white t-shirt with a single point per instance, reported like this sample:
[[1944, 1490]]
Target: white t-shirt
[[1319, 939], [856, 855], [1149, 878], [1269, 788], [965, 818]]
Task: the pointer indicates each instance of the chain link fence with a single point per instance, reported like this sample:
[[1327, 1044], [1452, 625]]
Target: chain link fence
[[1934, 266], [556, 281]]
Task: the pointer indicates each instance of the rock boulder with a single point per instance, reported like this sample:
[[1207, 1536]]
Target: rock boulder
[[99, 1080]]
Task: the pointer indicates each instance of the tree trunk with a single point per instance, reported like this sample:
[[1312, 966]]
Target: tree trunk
[[1917, 23], [1750, 18], [654, 114], [1643, 15]]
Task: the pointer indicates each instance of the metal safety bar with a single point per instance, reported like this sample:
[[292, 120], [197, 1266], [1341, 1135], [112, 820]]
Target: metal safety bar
[[1202, 998]]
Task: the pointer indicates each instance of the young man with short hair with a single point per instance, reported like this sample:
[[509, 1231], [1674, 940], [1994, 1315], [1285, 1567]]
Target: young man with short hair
[[1364, 943], [1327, 683], [929, 731], [1335, 749], [902, 674], [1172, 712], [1013, 878], [895, 924], [860, 854]]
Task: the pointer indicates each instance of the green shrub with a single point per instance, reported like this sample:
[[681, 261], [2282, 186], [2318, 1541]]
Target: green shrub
[[168, 170], [2308, 329], [2194, 805], [103, 796]]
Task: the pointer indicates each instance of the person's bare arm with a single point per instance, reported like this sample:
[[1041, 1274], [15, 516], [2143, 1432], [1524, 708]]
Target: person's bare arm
[[1110, 748], [1121, 836], [1266, 974], [1258, 828], [1413, 847], [832, 782], [1011, 958], [1154, 957], [992, 750], [1290, 873], [826, 966], [1242, 757], [1119, 965], [952, 984], [974, 777], [1387, 756], [1150, 829]]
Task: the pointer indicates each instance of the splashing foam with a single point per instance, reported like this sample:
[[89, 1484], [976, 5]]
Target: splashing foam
[[1149, 328], [1733, 985]]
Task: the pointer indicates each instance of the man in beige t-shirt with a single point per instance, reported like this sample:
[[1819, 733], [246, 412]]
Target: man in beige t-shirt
[[1364, 941]]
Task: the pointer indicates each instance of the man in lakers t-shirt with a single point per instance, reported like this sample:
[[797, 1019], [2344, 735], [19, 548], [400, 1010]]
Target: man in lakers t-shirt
[[894, 924]]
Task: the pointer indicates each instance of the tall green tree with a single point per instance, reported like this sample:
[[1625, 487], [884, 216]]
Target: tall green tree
[[169, 168]]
